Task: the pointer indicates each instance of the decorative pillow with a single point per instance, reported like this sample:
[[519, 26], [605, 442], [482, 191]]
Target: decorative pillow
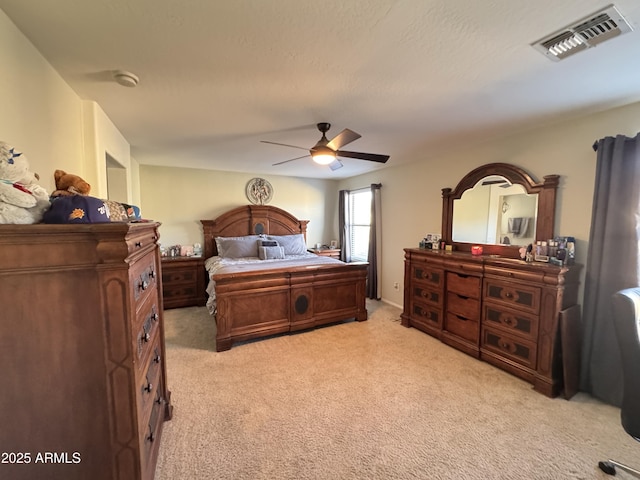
[[269, 253], [293, 244], [237, 247]]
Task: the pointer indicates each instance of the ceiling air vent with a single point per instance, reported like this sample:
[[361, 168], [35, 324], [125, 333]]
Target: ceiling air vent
[[585, 33]]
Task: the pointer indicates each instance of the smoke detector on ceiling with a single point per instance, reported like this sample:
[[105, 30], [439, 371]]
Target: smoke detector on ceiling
[[586, 33], [126, 79]]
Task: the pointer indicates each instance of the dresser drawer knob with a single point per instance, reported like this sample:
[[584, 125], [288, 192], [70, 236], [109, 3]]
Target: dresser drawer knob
[[156, 359], [138, 244], [148, 388], [146, 337], [143, 284], [151, 437], [160, 400], [152, 273]]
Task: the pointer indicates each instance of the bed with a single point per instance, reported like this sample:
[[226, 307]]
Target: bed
[[254, 298]]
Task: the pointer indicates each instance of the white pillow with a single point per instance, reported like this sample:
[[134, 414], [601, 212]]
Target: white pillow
[[237, 247], [292, 244], [270, 253]]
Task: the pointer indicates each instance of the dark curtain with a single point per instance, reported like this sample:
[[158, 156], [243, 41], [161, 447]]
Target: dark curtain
[[375, 244], [343, 226], [612, 262]]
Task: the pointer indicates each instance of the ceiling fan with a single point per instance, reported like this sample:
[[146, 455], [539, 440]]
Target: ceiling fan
[[326, 152]]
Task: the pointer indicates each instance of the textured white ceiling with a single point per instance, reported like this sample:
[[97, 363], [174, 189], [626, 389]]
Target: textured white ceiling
[[216, 77]]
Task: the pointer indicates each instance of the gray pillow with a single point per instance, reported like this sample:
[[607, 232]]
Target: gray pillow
[[269, 253], [292, 244], [237, 247]]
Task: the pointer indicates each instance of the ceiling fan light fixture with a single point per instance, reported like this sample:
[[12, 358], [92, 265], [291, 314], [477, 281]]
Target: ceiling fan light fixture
[[323, 155]]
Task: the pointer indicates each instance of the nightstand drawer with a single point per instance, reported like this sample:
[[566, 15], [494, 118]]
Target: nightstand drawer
[[183, 282]]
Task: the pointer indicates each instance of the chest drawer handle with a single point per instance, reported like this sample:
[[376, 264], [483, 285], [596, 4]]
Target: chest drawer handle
[[156, 359], [138, 244], [151, 437], [148, 388], [143, 284], [160, 400], [152, 273], [146, 337]]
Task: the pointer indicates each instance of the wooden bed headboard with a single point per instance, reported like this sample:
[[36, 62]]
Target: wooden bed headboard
[[250, 220]]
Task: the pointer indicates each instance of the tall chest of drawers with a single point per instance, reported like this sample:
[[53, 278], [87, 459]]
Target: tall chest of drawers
[[504, 311], [84, 378]]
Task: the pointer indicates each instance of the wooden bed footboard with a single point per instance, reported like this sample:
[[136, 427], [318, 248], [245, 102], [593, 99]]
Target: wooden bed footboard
[[258, 305]]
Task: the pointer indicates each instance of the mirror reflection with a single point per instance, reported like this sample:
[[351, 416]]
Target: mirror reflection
[[495, 211]]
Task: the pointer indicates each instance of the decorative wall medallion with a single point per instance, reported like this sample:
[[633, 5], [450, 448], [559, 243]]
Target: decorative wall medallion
[[259, 191]]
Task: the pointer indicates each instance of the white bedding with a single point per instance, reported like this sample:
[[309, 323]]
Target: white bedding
[[217, 264]]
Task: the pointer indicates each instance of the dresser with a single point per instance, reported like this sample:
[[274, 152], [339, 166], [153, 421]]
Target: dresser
[[501, 310], [84, 391], [183, 282]]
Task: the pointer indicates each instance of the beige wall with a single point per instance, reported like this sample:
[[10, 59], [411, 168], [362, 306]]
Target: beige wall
[[45, 119], [41, 115], [411, 194], [181, 197]]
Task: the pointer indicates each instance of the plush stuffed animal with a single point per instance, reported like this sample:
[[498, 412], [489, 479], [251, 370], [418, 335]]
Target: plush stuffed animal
[[69, 184], [22, 200]]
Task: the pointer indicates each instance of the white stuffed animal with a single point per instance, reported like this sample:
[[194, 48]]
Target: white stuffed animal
[[22, 200]]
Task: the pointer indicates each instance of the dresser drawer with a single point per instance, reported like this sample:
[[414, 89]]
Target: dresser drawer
[[462, 327], [144, 278], [530, 275], [145, 328], [427, 275], [464, 306], [140, 239], [511, 321], [428, 315], [427, 295], [509, 346], [464, 284], [513, 294], [151, 429], [148, 382]]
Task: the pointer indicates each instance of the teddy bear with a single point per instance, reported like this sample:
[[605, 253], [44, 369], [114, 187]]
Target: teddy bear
[[22, 200], [69, 184]]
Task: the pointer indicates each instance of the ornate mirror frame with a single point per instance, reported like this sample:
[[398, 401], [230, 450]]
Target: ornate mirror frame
[[546, 204]]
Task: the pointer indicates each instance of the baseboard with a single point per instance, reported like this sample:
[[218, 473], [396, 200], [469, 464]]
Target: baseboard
[[389, 302]]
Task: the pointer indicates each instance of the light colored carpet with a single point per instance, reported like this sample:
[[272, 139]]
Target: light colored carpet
[[370, 400]]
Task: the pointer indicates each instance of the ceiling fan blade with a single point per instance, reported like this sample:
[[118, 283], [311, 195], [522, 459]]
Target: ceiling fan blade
[[345, 137], [372, 157], [290, 160], [335, 165], [283, 145]]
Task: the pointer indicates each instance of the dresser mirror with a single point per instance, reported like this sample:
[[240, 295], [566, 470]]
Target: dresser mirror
[[499, 206]]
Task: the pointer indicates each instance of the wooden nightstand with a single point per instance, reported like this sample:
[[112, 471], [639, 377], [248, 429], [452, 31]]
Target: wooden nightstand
[[327, 252], [183, 282]]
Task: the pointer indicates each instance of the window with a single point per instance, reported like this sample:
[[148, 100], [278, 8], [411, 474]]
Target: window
[[359, 224]]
